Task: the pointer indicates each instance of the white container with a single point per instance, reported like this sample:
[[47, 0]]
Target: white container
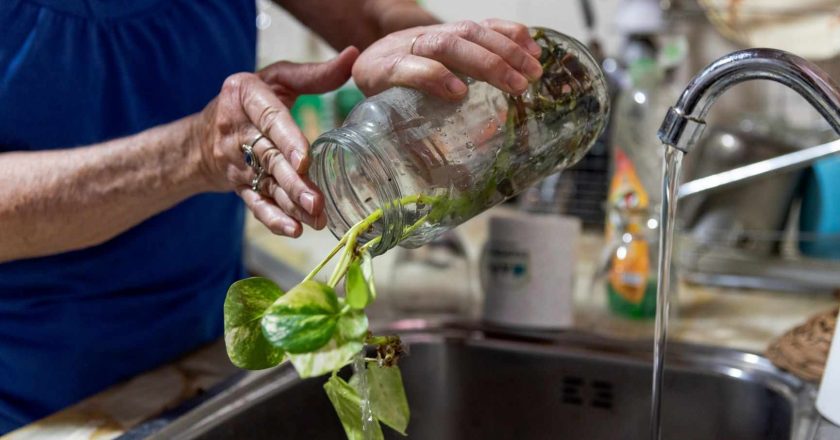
[[828, 399], [527, 270]]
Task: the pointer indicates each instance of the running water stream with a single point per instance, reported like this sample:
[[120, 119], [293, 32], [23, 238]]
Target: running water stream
[[670, 183], [360, 371]]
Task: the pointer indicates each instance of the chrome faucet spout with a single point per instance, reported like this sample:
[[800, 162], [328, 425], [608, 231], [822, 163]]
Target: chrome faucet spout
[[684, 123]]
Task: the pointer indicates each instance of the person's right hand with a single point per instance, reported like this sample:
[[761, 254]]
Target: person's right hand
[[251, 104], [500, 52]]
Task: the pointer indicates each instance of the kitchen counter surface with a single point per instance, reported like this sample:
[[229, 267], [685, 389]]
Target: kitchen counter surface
[[724, 317]]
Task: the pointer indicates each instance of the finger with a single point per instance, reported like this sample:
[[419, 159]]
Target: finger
[[471, 59], [515, 55], [274, 121], [311, 77], [516, 32], [424, 74], [298, 187], [269, 214], [291, 208]]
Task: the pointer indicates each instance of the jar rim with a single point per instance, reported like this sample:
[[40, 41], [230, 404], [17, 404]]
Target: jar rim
[[346, 140]]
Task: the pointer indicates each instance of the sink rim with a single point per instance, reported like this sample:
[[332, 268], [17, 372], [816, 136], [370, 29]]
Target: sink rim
[[248, 388]]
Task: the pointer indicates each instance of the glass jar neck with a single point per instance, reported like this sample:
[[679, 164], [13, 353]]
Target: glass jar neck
[[357, 182]]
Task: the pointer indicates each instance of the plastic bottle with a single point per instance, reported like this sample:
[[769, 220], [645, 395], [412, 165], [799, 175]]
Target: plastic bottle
[[430, 164], [634, 197]]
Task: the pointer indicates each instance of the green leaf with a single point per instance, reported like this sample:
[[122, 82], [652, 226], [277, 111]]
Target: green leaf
[[359, 294], [353, 326], [387, 396], [302, 320], [328, 358], [245, 304], [348, 406]]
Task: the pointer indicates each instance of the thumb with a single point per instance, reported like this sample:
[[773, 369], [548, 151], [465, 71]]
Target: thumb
[[300, 78]]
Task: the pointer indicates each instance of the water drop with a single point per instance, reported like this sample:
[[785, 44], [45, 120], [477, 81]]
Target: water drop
[[470, 145]]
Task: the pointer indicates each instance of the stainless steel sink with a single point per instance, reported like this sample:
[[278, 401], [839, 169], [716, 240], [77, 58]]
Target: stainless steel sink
[[465, 382]]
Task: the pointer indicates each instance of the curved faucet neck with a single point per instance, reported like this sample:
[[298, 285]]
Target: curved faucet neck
[[685, 122]]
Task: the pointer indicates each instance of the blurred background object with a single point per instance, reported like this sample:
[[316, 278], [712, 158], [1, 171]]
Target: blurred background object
[[528, 270], [808, 28], [433, 280]]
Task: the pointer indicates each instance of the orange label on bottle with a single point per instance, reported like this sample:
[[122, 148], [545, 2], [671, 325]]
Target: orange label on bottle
[[630, 268]]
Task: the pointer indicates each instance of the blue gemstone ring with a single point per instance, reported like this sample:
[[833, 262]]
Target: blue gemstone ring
[[253, 162]]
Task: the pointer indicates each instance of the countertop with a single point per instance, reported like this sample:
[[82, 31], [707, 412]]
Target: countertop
[[746, 320]]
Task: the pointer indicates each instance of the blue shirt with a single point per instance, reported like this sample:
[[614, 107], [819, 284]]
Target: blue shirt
[[77, 72]]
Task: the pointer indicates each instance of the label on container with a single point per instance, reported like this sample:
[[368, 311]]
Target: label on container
[[630, 268]]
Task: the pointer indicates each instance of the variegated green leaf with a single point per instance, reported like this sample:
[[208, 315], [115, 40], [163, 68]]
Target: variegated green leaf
[[327, 359], [387, 395], [348, 406], [302, 320], [353, 325], [245, 304]]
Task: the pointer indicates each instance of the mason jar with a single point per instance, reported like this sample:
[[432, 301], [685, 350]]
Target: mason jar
[[430, 164]]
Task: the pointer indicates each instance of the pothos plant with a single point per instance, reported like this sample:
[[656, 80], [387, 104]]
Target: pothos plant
[[320, 332]]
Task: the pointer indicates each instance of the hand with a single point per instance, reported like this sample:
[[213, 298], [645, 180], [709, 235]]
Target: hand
[[251, 104], [499, 52]]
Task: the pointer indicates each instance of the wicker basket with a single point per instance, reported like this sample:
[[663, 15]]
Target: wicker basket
[[804, 349]]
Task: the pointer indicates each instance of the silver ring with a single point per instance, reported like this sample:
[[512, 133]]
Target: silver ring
[[253, 162], [255, 182], [413, 41]]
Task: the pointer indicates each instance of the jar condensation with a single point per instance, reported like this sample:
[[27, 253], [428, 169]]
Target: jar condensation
[[462, 157]]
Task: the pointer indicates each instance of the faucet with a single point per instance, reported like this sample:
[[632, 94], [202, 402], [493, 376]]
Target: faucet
[[684, 122]]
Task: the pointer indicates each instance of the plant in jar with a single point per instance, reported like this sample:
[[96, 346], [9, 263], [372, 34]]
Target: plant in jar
[[321, 332]]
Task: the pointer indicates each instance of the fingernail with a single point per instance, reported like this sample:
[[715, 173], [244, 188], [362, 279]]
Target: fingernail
[[534, 48], [516, 82], [455, 86], [296, 160], [307, 200]]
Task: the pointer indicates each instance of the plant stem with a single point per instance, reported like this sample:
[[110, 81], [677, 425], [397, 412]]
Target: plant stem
[[349, 240], [329, 257], [346, 258]]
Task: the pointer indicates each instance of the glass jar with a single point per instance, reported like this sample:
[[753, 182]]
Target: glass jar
[[431, 164]]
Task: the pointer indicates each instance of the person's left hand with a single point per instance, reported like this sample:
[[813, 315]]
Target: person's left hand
[[499, 52]]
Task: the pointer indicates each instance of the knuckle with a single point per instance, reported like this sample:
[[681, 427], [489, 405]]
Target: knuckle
[[394, 65], [286, 180], [520, 31], [267, 186], [467, 28], [495, 63], [269, 159], [441, 74], [235, 81], [439, 43], [268, 117]]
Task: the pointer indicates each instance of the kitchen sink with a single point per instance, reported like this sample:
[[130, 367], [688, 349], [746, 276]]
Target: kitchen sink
[[473, 382]]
